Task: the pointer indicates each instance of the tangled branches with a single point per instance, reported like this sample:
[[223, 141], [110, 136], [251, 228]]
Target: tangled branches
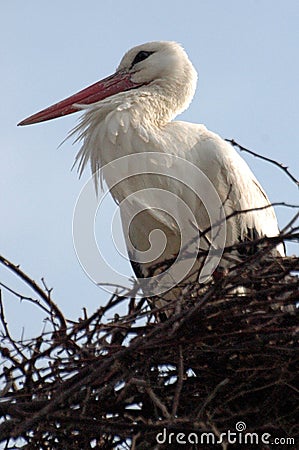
[[221, 359]]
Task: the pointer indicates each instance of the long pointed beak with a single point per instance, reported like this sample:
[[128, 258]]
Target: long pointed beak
[[118, 82]]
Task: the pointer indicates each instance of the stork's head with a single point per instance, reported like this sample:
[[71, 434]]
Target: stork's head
[[162, 67]]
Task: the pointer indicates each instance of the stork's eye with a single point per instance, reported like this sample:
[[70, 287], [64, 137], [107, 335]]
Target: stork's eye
[[140, 57]]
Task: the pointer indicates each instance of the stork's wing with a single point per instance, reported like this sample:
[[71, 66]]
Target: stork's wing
[[238, 189]]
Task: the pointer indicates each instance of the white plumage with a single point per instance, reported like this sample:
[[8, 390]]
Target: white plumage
[[158, 82]]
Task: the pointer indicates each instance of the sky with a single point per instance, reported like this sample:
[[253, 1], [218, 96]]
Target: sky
[[246, 54]]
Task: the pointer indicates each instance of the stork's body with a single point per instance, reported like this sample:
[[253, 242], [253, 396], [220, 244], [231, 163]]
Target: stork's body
[[131, 113]]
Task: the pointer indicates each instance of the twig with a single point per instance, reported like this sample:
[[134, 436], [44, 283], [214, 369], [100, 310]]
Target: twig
[[211, 396], [22, 297], [265, 158], [36, 288], [7, 333], [180, 378], [290, 224], [155, 399], [134, 439]]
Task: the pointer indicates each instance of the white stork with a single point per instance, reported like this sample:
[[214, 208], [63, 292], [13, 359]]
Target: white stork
[[131, 113]]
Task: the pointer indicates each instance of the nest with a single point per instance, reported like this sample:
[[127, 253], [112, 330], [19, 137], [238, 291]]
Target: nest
[[222, 363]]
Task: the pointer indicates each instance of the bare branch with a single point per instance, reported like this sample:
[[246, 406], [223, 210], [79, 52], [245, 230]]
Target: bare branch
[[264, 158], [36, 288], [180, 379]]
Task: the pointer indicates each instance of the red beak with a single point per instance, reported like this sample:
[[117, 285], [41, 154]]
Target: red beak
[[118, 82]]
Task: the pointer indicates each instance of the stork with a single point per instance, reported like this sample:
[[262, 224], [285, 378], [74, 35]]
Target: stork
[[130, 114]]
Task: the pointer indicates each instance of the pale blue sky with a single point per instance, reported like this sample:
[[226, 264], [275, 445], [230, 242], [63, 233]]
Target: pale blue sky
[[246, 54]]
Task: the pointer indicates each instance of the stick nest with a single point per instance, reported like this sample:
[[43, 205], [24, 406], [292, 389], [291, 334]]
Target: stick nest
[[115, 381]]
